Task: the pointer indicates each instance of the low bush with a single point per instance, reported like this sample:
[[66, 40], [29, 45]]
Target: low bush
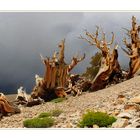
[[57, 100], [39, 122], [44, 114], [56, 112], [44, 120], [96, 118]]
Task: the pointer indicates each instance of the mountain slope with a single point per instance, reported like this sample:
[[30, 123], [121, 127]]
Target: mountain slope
[[113, 100]]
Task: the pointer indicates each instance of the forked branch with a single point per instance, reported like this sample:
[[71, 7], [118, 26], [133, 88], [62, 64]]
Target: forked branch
[[75, 61], [112, 40]]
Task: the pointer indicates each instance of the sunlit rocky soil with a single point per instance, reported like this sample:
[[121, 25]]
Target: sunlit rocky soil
[[121, 100]]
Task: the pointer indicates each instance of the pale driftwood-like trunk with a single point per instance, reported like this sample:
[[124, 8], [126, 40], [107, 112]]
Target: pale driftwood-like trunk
[[109, 63], [133, 48]]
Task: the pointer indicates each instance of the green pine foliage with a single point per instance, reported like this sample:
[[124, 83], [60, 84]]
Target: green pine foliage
[[94, 66]]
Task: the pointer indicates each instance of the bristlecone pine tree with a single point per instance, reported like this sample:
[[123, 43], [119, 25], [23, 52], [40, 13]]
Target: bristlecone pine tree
[[56, 75], [109, 63], [133, 48]]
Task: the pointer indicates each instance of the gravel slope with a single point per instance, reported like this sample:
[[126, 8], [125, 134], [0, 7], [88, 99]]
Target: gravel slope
[[105, 100]]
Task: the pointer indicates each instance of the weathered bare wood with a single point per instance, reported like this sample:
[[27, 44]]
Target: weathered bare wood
[[133, 49], [54, 58], [53, 78], [33, 102], [39, 80], [62, 48], [59, 91], [77, 84], [6, 107], [60, 75], [75, 61], [109, 62], [56, 75], [112, 40], [65, 76]]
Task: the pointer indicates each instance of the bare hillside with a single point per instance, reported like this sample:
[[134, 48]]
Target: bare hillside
[[121, 100]]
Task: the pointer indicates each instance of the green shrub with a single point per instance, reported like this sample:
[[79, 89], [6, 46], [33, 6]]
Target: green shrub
[[44, 114], [44, 120], [99, 118], [56, 112], [39, 122], [57, 100]]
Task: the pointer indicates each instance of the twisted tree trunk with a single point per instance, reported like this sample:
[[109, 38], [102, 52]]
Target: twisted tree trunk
[[133, 48], [7, 107], [56, 75], [109, 63]]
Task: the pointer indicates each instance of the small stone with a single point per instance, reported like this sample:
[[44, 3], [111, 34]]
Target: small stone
[[129, 126], [120, 123], [102, 110], [133, 125], [120, 96], [95, 126], [121, 99], [75, 114], [63, 117], [115, 113], [124, 115], [135, 100], [119, 107], [134, 113], [69, 125], [129, 107], [114, 103], [137, 120]]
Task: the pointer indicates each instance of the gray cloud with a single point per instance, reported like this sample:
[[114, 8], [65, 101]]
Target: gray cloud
[[24, 35]]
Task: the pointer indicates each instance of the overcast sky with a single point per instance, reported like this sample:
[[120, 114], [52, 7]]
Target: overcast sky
[[23, 36]]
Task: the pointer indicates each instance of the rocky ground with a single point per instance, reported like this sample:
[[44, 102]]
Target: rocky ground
[[121, 100]]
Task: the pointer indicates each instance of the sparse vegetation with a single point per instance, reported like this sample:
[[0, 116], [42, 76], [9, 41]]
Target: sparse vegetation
[[56, 112], [96, 118], [44, 120], [95, 65], [39, 122], [58, 100], [45, 114]]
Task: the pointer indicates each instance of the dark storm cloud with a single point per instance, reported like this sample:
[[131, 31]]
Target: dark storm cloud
[[23, 36]]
